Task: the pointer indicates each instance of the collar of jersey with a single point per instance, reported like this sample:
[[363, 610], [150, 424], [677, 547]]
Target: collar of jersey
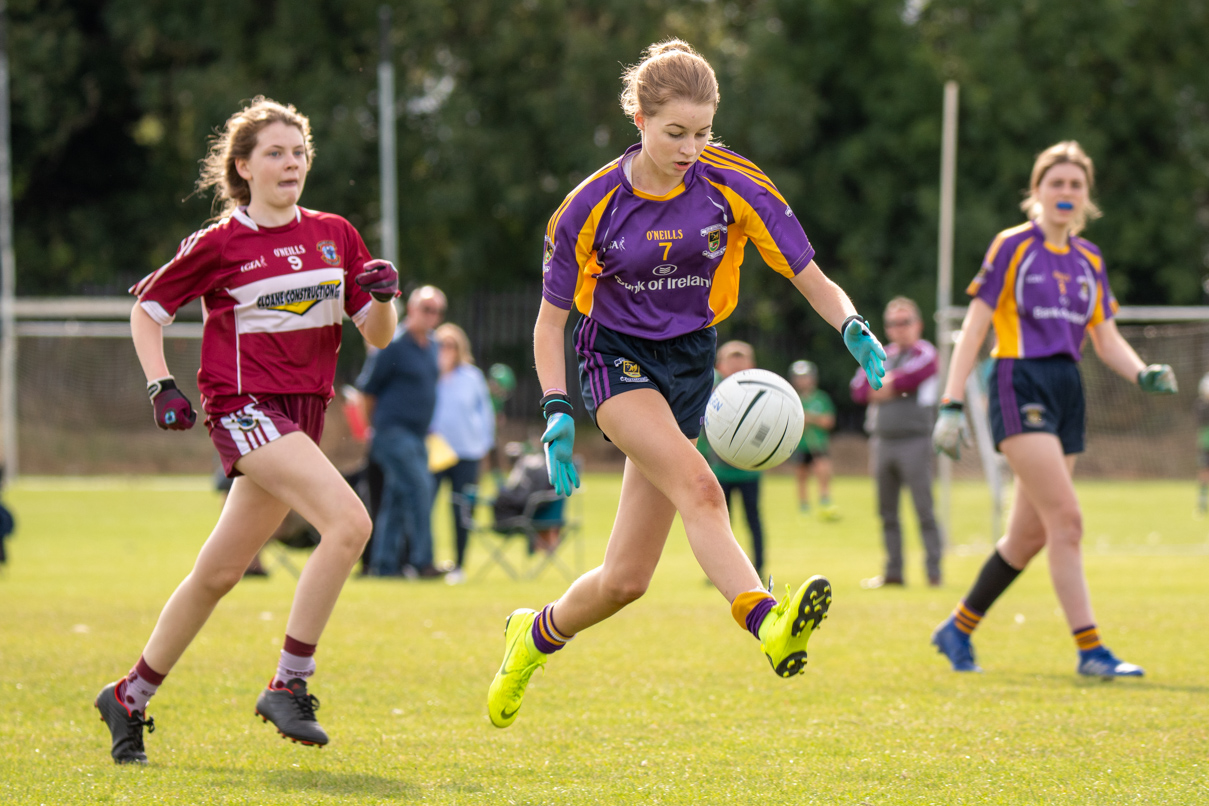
[[1052, 248], [241, 215], [629, 154]]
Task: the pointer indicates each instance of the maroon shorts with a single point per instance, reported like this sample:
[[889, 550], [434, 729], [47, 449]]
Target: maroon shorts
[[240, 432]]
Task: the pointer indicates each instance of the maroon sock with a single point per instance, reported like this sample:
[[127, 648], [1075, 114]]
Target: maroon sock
[[139, 686]]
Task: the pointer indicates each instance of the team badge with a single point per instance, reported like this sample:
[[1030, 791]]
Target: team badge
[[245, 423], [630, 371], [1034, 415], [549, 252], [327, 251], [713, 241]]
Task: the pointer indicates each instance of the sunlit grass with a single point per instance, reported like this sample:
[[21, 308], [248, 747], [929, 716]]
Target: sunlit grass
[[668, 702]]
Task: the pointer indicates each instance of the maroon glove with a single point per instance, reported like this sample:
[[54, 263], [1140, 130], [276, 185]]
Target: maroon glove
[[380, 279], [172, 409]]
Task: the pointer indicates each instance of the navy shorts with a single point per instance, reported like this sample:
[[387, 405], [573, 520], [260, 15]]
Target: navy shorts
[[1038, 395], [681, 369]]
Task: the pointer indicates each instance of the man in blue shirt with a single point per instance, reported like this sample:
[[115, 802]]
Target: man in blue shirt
[[400, 384]]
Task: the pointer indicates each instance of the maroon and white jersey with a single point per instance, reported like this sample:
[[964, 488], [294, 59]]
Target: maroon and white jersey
[[273, 300]]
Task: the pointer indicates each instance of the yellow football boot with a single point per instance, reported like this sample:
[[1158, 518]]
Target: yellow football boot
[[788, 626], [521, 659]]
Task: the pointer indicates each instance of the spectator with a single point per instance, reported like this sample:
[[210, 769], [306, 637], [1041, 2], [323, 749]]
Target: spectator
[[733, 357], [466, 420], [814, 449], [899, 423], [401, 393], [501, 382]]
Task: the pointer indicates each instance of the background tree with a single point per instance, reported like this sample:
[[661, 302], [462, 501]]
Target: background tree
[[505, 105]]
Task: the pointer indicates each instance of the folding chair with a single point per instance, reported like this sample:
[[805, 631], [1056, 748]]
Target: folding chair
[[293, 533], [539, 515]]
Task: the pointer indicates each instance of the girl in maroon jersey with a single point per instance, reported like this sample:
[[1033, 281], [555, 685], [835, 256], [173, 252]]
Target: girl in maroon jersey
[[273, 279]]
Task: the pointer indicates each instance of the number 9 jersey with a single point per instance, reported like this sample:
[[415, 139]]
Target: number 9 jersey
[[657, 267], [273, 300]]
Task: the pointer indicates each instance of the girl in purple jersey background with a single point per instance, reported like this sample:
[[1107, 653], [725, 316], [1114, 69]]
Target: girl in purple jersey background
[[258, 167], [1043, 288], [648, 250]]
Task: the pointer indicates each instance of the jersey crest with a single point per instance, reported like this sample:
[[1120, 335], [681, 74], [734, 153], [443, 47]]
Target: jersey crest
[[327, 251]]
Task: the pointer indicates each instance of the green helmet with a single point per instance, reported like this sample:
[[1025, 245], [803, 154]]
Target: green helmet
[[803, 368], [503, 376]]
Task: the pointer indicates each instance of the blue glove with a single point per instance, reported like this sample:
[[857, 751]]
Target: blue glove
[[950, 432], [865, 348], [1158, 379], [558, 441]]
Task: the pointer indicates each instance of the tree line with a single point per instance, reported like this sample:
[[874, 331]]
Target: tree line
[[505, 105]]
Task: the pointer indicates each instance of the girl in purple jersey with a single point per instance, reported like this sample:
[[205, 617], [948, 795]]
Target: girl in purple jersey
[[648, 250], [1043, 288], [257, 167]]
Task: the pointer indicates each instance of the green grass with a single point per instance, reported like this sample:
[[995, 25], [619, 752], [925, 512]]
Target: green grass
[[668, 702]]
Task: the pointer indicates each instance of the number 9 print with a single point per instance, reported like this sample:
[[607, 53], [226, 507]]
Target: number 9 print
[[295, 262]]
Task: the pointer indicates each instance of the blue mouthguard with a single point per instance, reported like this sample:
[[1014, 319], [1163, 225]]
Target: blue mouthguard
[[1065, 206]]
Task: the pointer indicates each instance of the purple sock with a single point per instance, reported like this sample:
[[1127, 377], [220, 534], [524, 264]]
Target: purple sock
[[755, 617], [546, 636]]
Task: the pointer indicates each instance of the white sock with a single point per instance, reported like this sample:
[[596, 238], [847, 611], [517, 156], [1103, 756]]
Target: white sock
[[293, 667]]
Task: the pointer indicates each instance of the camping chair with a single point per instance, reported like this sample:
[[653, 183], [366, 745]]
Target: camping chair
[[293, 533], [541, 513]]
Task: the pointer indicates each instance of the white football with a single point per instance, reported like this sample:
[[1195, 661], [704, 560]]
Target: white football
[[754, 419]]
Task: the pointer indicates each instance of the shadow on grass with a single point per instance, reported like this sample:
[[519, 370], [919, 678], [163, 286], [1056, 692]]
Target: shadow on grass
[[1079, 681], [323, 781]]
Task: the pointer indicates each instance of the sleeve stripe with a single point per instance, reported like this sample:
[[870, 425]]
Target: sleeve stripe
[[754, 175], [1000, 238], [721, 153], [1092, 258], [755, 228], [187, 245], [553, 225]]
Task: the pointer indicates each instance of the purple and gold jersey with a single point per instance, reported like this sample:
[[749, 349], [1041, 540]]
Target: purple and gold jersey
[[1045, 297], [658, 267]]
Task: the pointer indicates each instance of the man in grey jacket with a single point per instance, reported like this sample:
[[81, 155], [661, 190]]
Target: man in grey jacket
[[899, 422]]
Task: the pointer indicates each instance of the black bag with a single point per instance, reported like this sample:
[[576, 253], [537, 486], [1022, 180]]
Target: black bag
[[528, 476]]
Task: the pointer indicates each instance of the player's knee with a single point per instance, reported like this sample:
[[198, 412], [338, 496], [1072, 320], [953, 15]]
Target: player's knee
[[349, 532], [622, 589], [354, 534], [218, 582], [360, 527], [1067, 525], [705, 493]]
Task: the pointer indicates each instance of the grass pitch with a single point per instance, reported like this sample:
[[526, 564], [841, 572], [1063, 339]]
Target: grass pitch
[[666, 703]]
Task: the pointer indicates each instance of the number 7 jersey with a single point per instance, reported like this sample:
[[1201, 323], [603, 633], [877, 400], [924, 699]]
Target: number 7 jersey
[[658, 267], [273, 300]]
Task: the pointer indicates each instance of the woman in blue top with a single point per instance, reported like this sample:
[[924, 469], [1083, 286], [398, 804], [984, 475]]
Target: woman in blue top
[[648, 249], [465, 418], [1043, 288]]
